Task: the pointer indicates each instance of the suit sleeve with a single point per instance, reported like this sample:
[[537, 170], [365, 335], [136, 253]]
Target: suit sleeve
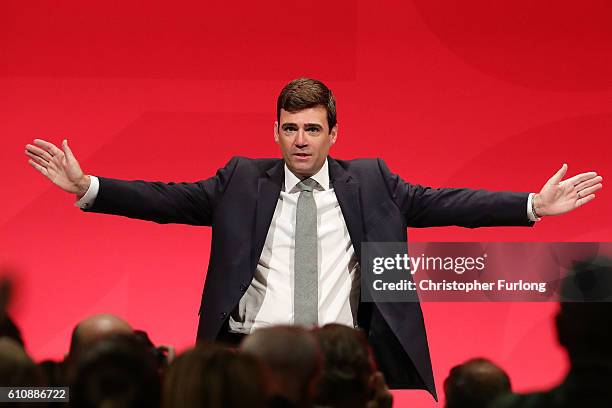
[[436, 207], [180, 203]]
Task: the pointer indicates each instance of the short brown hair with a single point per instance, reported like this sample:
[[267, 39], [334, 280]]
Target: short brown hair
[[212, 376], [348, 365], [304, 93]]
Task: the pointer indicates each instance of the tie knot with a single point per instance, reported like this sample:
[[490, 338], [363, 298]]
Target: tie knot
[[308, 184]]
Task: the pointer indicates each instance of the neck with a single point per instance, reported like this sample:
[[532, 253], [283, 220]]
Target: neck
[[304, 176]]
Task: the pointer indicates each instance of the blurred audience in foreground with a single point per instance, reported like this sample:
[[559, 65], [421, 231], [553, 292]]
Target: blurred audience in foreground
[[110, 365], [95, 328], [213, 376], [350, 378], [584, 328], [115, 371], [16, 368], [475, 384], [292, 356]]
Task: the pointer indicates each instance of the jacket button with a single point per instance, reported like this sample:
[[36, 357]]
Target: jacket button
[[223, 315], [243, 287]]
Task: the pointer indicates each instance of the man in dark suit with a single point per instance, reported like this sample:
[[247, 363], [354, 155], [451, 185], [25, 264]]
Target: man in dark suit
[[287, 233]]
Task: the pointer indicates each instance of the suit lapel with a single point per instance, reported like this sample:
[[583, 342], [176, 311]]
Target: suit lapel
[[268, 191], [347, 192]]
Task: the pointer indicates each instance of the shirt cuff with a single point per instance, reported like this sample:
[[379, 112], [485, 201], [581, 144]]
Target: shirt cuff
[[530, 214], [90, 195]]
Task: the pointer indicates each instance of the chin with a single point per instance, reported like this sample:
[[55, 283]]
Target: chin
[[301, 170]]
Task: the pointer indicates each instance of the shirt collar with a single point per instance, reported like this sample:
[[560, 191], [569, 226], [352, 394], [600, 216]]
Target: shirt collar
[[321, 177]]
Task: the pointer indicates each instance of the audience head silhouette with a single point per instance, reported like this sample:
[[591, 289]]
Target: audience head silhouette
[[211, 376], [584, 327], [347, 368], [16, 367], [292, 355], [95, 328], [474, 384], [116, 371], [584, 321]]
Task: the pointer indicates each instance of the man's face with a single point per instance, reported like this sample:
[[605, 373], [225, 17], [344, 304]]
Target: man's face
[[304, 138]]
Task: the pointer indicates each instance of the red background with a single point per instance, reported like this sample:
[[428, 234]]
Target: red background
[[450, 93]]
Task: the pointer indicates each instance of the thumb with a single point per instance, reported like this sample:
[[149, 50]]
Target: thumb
[[556, 179], [67, 151]]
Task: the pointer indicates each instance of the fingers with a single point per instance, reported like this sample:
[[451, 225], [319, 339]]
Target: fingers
[[588, 183], [589, 190], [38, 167], [37, 159], [49, 147], [582, 201], [558, 175], [579, 178], [38, 152]]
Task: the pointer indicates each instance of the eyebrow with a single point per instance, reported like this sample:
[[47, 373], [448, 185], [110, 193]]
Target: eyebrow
[[286, 125]]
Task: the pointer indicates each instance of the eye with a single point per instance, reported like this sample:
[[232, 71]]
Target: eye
[[313, 130]]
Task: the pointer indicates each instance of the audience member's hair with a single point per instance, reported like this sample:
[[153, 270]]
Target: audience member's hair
[[117, 371], [211, 376], [9, 329], [293, 357], [348, 365], [584, 321], [16, 367], [53, 373], [160, 353], [475, 384]]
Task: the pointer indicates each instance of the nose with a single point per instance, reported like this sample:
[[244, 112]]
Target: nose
[[300, 139]]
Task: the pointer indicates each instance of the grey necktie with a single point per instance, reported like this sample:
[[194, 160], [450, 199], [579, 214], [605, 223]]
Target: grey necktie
[[306, 276]]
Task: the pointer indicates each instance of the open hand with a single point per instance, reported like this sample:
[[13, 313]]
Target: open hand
[[558, 197], [58, 165]]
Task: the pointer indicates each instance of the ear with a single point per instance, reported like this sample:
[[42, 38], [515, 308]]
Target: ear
[[333, 134], [276, 131]]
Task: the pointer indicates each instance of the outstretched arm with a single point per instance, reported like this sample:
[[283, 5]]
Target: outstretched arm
[[429, 207], [181, 203]]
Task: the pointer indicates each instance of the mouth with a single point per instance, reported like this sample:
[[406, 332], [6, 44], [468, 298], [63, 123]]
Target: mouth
[[301, 156]]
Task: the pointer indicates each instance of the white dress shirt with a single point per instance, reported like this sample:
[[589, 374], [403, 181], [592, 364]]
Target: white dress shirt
[[269, 298]]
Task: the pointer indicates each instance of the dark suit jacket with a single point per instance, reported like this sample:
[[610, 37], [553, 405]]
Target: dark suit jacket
[[377, 205]]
